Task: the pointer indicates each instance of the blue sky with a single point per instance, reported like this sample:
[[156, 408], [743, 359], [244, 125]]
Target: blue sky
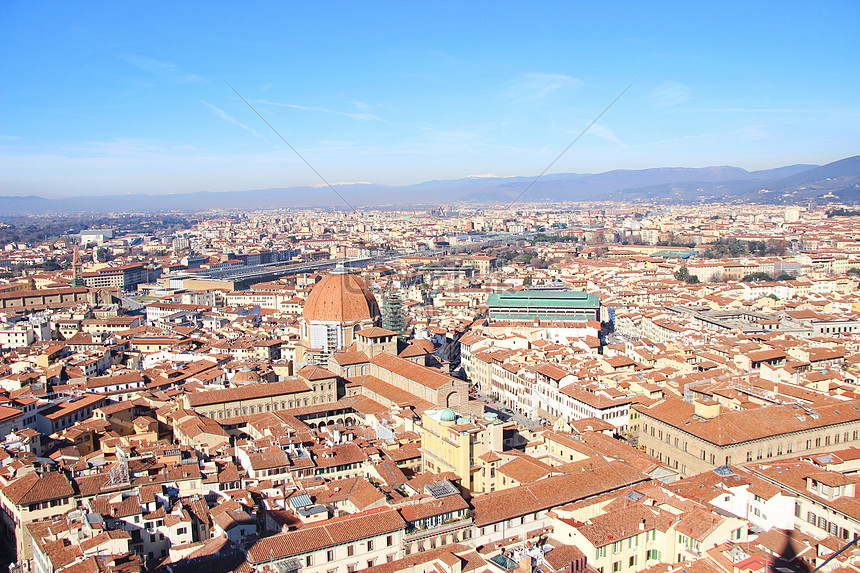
[[130, 97]]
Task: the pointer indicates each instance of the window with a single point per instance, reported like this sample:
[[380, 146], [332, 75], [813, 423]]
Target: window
[[350, 550], [632, 561], [616, 567], [811, 518], [309, 560], [329, 555], [389, 541], [369, 546]]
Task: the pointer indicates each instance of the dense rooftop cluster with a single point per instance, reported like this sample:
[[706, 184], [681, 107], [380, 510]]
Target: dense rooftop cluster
[[564, 388]]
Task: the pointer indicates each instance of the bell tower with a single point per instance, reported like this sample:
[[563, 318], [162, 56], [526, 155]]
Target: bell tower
[[77, 269]]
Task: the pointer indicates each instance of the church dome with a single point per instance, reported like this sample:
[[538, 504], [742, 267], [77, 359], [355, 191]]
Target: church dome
[[340, 297]]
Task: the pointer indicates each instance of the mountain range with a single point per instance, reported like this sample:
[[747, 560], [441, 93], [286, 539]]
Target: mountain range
[[837, 182]]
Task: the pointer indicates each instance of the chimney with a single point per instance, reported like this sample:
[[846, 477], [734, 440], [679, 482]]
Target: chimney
[[525, 563], [642, 525]]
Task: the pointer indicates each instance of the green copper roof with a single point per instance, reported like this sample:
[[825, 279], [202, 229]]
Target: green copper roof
[[543, 299]]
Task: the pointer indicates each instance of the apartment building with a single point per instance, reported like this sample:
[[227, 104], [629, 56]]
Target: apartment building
[[700, 436], [28, 498], [825, 499], [450, 443], [251, 399], [340, 545], [122, 277]]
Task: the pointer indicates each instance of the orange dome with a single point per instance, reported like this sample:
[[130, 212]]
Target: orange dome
[[340, 297]]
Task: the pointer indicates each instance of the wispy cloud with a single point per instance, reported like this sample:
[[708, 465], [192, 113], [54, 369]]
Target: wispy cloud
[[363, 116], [232, 120], [125, 147], [604, 132], [10, 137], [752, 132], [161, 69], [537, 86], [755, 110], [669, 94]]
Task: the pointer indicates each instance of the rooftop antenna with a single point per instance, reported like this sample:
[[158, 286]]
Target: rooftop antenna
[[323, 179]]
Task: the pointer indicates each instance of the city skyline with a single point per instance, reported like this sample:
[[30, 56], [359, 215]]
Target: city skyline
[[101, 100]]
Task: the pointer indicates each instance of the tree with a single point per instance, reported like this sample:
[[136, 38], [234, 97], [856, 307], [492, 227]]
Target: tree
[[842, 212], [527, 281], [51, 266], [854, 272], [525, 258], [756, 276], [683, 274]]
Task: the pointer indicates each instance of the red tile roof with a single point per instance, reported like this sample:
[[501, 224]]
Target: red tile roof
[[332, 532]]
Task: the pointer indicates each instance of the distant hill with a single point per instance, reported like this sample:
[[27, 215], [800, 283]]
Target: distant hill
[[837, 181]]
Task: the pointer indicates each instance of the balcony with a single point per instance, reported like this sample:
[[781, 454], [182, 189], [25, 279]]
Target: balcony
[[446, 527]]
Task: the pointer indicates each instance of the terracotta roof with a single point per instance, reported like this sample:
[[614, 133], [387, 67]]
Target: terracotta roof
[[622, 523], [312, 372], [420, 374], [525, 469], [248, 392], [376, 332], [332, 532], [469, 558], [595, 477], [736, 426], [33, 488]]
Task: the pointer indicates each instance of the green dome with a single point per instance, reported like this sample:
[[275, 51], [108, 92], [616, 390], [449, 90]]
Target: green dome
[[447, 415]]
